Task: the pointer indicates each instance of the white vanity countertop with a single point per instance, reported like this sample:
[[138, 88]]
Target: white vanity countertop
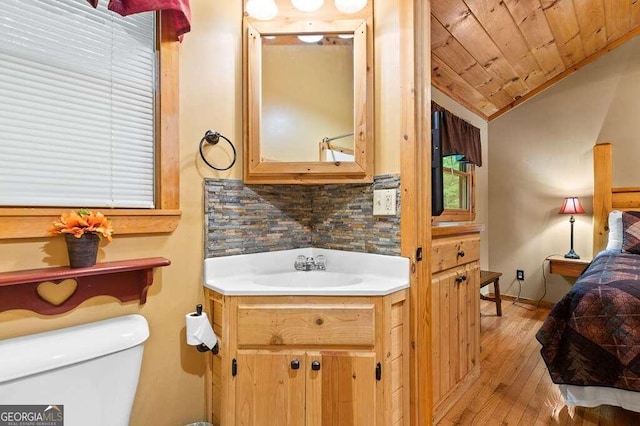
[[273, 274]]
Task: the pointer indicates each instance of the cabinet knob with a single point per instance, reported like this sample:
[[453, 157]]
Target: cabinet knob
[[315, 365], [461, 278], [295, 364], [461, 253]]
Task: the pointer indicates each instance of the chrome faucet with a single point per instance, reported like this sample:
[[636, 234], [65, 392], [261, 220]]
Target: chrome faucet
[[304, 263]]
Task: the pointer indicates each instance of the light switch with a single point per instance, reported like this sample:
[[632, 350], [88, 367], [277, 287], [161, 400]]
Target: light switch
[[384, 202]]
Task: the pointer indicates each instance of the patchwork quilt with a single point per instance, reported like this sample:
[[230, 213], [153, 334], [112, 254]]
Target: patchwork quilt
[[592, 336]]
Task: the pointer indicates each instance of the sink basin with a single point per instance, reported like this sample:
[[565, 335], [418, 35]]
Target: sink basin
[[307, 279], [272, 273]]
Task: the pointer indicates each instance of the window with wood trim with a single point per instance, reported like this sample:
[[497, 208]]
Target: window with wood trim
[[459, 190], [20, 222]]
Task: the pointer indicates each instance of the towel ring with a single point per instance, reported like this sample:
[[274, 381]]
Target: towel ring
[[213, 138]]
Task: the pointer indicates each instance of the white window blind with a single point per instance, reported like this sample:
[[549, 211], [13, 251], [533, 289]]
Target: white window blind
[[76, 105]]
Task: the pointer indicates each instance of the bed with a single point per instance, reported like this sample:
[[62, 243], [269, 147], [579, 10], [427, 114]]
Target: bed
[[591, 339]]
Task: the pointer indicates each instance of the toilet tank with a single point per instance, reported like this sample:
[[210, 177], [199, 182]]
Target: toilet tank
[[91, 370]]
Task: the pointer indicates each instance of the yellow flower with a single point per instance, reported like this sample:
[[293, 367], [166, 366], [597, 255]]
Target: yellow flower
[[82, 222]]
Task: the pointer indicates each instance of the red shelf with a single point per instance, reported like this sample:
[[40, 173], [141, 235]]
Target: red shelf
[[125, 280]]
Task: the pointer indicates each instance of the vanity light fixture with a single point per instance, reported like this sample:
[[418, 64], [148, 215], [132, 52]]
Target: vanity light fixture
[[269, 37], [350, 6], [307, 5], [263, 10], [312, 38], [345, 36]]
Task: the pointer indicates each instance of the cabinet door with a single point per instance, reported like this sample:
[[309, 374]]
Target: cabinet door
[[455, 313], [342, 392], [270, 390], [444, 336]]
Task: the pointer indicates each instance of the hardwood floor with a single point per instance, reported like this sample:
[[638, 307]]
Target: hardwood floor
[[514, 387]]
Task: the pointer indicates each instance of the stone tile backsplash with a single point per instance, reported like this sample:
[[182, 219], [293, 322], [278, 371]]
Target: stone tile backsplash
[[245, 219]]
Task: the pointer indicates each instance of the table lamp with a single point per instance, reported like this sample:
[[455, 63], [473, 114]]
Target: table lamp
[[571, 206]]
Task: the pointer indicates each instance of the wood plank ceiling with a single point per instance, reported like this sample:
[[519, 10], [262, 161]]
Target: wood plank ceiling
[[491, 55]]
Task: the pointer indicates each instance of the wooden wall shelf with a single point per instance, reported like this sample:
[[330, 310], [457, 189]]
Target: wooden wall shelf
[[56, 290], [568, 267]]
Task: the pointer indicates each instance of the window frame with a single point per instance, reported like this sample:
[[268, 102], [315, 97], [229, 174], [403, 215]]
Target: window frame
[[20, 222], [461, 215]]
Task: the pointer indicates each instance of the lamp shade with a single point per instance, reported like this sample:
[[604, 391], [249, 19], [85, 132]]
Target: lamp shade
[[571, 205]]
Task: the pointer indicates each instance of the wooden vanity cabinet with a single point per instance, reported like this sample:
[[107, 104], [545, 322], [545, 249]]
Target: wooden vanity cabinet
[[455, 314], [309, 360]]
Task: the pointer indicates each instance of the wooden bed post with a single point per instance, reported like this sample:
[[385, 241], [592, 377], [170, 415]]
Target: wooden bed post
[[602, 194]]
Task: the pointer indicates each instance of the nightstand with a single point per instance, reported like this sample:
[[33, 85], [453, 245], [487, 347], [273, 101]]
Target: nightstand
[[568, 267]]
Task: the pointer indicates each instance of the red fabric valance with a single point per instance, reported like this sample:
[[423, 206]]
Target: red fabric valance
[[459, 137], [177, 11]]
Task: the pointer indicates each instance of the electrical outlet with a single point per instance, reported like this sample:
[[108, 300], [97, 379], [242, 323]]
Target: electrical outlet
[[384, 202], [519, 274]]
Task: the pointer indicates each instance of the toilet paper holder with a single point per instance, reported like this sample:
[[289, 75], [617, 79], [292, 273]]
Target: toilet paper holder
[[204, 337]]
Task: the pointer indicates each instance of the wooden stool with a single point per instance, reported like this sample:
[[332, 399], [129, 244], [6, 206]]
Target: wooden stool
[[486, 278]]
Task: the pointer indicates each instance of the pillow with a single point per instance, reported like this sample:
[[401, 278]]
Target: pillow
[[615, 231], [631, 232]]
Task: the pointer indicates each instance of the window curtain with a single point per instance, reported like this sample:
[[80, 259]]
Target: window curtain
[[178, 11], [459, 137]]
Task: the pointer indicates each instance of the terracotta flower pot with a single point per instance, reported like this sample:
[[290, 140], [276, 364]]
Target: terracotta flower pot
[[83, 251]]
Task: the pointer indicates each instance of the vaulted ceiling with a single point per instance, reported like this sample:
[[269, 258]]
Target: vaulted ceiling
[[491, 55]]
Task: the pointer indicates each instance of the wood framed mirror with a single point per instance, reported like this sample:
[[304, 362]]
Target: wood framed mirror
[[308, 103]]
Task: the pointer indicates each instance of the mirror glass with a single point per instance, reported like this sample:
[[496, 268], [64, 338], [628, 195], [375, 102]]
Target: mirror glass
[[309, 106], [307, 98]]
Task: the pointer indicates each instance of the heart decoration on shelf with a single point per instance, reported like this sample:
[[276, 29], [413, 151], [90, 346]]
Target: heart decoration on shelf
[[57, 293]]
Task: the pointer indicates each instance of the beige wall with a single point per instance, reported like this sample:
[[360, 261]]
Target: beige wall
[[541, 152], [171, 388], [387, 125], [482, 173]]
